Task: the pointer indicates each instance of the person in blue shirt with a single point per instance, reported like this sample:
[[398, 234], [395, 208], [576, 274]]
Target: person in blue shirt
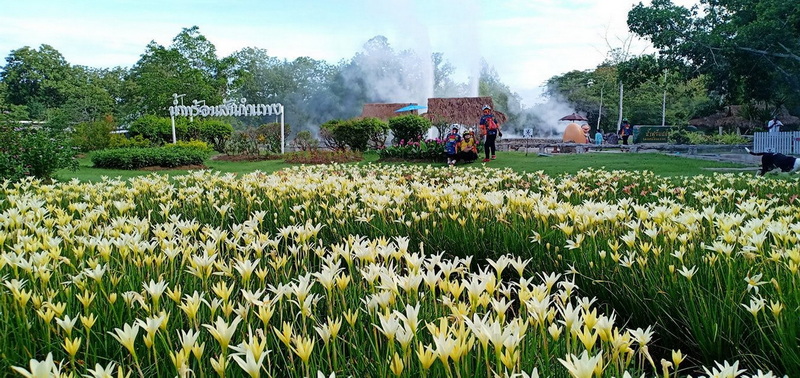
[[451, 142], [598, 137]]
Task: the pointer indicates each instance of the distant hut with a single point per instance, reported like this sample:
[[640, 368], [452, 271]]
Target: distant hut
[[465, 111], [385, 111]]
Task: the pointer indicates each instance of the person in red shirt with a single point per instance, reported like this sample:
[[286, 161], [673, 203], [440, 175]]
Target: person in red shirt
[[490, 128]]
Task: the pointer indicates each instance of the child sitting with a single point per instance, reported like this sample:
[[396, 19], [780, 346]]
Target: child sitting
[[451, 145], [468, 148]]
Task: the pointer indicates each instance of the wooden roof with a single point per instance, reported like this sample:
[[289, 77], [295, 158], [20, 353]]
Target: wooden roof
[[461, 110], [385, 111]]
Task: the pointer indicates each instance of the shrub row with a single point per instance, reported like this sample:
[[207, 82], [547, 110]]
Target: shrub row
[[135, 158], [683, 136], [355, 134], [254, 141], [365, 133], [159, 130], [323, 157], [429, 150]]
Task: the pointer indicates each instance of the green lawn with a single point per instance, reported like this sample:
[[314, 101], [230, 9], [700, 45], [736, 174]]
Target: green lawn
[[663, 165]]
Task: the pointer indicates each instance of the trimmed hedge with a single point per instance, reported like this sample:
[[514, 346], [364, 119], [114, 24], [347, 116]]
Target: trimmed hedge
[[135, 158]]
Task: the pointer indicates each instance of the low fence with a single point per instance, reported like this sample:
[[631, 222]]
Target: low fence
[[555, 145], [787, 142]]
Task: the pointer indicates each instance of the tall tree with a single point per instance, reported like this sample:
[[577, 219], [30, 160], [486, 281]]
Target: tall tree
[[645, 85], [443, 84], [749, 50], [504, 99], [296, 84], [256, 75], [38, 79], [187, 67]]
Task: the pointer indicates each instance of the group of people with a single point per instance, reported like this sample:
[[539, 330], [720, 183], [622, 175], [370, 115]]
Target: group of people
[[625, 132], [464, 147], [458, 147]]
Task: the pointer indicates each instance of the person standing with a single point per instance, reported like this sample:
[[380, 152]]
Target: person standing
[[598, 137], [625, 131], [774, 126], [451, 142], [491, 129]]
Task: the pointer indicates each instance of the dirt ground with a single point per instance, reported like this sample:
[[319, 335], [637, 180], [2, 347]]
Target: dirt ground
[[179, 168], [236, 158]]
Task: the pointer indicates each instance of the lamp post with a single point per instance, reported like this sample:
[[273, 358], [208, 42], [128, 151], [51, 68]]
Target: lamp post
[[664, 102], [600, 109]]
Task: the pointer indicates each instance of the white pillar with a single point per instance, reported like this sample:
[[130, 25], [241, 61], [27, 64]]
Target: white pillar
[[174, 139], [283, 142]]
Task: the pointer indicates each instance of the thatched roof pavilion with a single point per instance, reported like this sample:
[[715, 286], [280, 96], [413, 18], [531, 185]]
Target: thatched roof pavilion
[[461, 110], [385, 111]]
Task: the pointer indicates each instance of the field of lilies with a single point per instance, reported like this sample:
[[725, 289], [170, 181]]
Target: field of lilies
[[381, 271]]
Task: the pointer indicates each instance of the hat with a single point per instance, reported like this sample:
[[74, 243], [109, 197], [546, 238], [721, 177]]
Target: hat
[[455, 127], [486, 107]]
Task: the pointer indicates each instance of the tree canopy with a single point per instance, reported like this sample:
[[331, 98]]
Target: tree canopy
[[747, 50]]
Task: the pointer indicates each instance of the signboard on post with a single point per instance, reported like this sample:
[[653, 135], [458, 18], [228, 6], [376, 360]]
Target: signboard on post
[[230, 108], [651, 134], [527, 133]]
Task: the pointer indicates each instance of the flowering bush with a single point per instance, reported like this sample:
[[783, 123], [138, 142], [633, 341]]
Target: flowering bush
[[26, 151], [243, 143], [428, 150], [268, 136], [305, 141], [323, 157]]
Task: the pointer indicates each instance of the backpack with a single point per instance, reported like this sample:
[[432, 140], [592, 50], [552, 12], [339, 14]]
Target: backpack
[[491, 124]]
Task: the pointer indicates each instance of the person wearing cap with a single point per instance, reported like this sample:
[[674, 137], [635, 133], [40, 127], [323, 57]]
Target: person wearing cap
[[774, 126], [451, 145], [468, 148], [490, 128]]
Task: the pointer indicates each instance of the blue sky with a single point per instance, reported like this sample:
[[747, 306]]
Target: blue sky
[[527, 41]]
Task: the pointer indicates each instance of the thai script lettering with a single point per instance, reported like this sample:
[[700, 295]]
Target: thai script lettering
[[228, 108]]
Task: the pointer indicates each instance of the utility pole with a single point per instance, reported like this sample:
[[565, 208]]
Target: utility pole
[[619, 120], [664, 102], [600, 110]]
